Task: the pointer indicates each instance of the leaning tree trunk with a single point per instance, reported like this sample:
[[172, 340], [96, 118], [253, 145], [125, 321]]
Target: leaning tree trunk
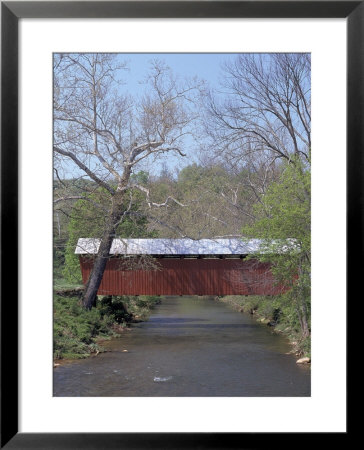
[[97, 272]]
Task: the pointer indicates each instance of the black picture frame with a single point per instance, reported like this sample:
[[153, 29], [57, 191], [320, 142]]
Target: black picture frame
[[11, 12]]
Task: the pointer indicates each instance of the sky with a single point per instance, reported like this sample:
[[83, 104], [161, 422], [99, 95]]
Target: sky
[[205, 66]]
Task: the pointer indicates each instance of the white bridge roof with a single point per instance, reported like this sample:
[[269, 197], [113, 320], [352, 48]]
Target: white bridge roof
[[171, 246]]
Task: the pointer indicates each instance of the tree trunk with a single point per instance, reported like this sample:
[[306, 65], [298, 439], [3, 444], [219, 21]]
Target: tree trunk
[[302, 307], [97, 272], [304, 319]]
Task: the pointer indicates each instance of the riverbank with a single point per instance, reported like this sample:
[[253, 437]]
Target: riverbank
[[191, 346], [79, 333], [268, 311]]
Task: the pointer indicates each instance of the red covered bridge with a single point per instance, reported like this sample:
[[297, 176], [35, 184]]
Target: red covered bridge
[[180, 267]]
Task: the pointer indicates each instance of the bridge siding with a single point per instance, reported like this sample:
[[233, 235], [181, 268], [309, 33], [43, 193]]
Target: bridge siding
[[187, 277]]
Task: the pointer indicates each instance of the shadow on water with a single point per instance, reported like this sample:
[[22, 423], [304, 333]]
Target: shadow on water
[[163, 323], [167, 320], [189, 347]]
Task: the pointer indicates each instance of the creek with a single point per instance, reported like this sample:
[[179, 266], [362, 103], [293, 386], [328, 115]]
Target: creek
[[190, 346]]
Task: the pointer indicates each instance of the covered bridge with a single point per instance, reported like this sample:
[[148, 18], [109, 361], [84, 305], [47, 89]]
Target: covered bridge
[[180, 267]]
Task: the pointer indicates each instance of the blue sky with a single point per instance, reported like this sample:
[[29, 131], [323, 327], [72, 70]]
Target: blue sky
[[205, 66]]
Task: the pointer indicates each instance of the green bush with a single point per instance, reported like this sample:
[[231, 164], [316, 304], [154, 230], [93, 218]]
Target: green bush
[[115, 307], [279, 311], [75, 329], [141, 305]]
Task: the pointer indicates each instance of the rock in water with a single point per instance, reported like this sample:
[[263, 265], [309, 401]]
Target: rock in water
[[303, 361]]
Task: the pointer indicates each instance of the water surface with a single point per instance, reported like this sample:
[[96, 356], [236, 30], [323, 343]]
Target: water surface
[[190, 346]]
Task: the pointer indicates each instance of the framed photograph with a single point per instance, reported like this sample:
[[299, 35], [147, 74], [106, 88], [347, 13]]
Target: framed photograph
[[234, 58]]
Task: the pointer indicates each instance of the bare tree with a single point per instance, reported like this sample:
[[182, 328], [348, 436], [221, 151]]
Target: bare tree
[[261, 121], [263, 108], [106, 135]]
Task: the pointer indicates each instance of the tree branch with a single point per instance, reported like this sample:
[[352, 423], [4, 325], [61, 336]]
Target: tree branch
[[85, 169]]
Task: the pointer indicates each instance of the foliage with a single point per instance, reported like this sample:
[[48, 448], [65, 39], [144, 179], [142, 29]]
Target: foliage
[[284, 225], [124, 308], [88, 220], [58, 259], [284, 212], [276, 312], [213, 202], [77, 330], [283, 221]]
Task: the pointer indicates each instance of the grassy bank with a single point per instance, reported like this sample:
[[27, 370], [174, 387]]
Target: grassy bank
[[276, 312], [78, 333]]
